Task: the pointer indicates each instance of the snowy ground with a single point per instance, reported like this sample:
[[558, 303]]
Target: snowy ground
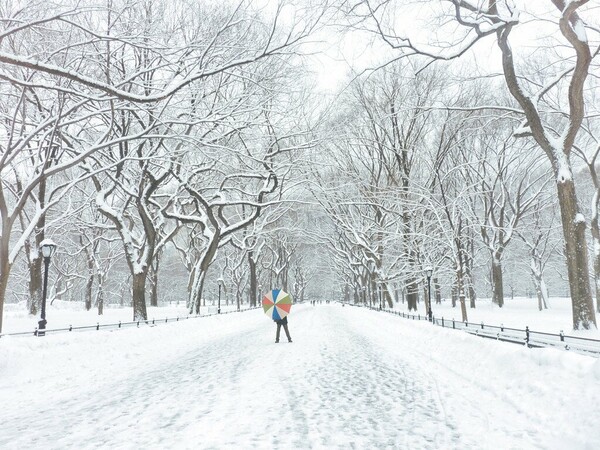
[[63, 314], [518, 313], [352, 378]]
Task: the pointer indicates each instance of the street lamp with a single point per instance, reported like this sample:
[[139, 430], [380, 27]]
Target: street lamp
[[220, 280], [47, 247], [429, 272]]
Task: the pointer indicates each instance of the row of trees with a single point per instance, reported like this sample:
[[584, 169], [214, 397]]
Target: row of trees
[[447, 152], [453, 197], [142, 125], [180, 138]]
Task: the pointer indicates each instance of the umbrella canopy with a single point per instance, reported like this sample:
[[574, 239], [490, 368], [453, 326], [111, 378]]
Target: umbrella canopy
[[277, 304]]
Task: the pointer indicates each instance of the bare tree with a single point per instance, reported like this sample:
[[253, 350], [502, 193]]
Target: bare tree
[[511, 184], [556, 138], [92, 61], [538, 237]]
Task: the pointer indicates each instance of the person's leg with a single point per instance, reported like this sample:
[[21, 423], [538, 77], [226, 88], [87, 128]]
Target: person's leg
[[278, 331], [287, 332]]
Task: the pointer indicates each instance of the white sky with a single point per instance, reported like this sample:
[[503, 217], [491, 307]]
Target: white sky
[[358, 51]]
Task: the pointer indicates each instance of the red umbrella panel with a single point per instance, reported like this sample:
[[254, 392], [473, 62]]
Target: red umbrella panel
[[277, 304]]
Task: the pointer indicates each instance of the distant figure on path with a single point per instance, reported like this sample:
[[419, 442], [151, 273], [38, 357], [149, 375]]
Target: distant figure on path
[[279, 323]]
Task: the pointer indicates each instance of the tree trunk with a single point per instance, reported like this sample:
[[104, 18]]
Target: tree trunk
[[577, 257], [461, 295], [200, 272], [36, 281], [438, 291], [197, 295], [154, 286], [90, 281], [538, 280], [387, 296], [542, 295], [4, 273], [454, 296], [471, 289], [88, 292], [463, 307], [100, 295], [124, 291], [139, 296], [412, 294], [472, 296], [253, 289], [426, 298], [497, 282], [596, 241]]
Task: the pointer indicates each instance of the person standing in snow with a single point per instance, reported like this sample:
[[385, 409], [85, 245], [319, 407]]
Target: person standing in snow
[[279, 323]]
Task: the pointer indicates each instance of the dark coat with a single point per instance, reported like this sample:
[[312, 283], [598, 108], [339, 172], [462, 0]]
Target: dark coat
[[282, 321]]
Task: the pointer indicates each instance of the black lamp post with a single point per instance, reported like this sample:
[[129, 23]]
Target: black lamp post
[[220, 284], [47, 247], [428, 272]]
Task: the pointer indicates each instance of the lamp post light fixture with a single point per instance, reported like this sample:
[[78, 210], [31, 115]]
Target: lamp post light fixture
[[47, 247], [429, 272]]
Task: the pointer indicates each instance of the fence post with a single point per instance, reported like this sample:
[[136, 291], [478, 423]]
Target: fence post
[[97, 326], [482, 325], [70, 327], [562, 336], [442, 322], [527, 336], [502, 327], [453, 324]]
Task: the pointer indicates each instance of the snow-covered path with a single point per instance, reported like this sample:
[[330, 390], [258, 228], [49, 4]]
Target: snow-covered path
[[352, 378]]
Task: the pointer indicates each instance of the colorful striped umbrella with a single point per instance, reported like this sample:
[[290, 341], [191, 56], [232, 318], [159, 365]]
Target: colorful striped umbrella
[[277, 304]]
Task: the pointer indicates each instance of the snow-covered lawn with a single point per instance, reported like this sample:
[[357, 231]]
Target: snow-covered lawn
[[64, 314], [352, 378], [518, 313]]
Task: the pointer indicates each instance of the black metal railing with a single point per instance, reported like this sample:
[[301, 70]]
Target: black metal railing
[[120, 324], [527, 337]]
